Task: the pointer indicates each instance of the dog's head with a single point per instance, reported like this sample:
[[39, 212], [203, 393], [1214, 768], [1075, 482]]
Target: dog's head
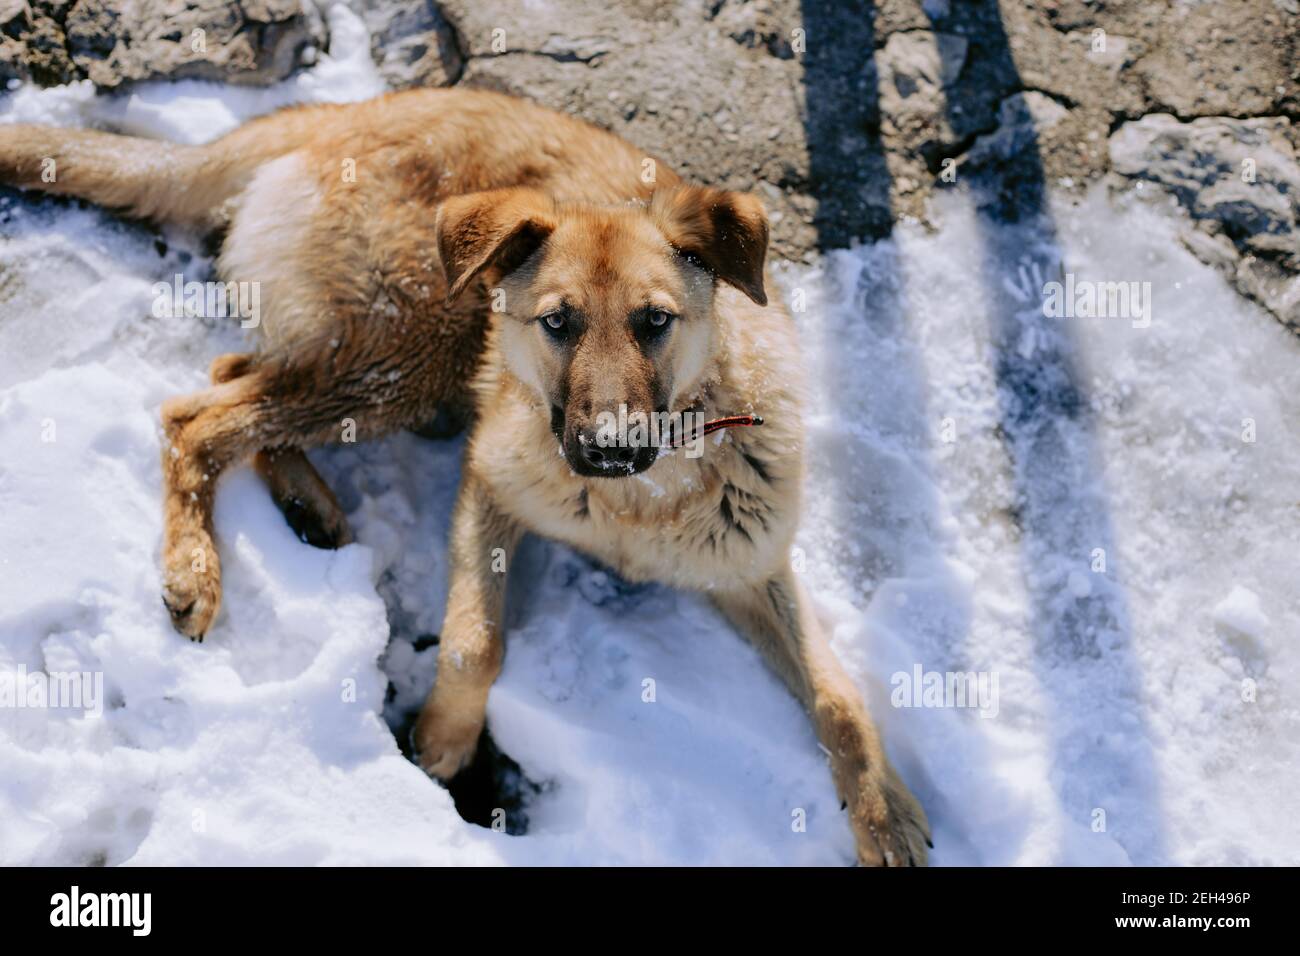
[[606, 312]]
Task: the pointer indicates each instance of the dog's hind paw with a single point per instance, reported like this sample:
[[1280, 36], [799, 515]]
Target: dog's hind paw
[[321, 527]]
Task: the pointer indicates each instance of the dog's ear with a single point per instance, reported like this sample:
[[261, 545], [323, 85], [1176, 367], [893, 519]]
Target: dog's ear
[[725, 231], [499, 228]]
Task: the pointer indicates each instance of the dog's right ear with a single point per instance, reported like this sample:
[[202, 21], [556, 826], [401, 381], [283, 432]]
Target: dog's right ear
[[499, 228]]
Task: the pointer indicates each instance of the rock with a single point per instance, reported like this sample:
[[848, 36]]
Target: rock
[[32, 43], [1022, 119], [1214, 250], [758, 26], [1273, 286], [715, 89], [411, 42], [254, 42], [1239, 173], [1110, 51], [15, 21], [1190, 59], [1196, 64], [915, 70], [1239, 182], [1007, 163]]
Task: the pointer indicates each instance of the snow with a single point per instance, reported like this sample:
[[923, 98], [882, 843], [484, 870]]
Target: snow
[[1241, 611], [1121, 566]]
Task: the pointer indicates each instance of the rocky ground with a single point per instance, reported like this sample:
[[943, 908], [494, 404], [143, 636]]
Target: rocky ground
[[845, 114]]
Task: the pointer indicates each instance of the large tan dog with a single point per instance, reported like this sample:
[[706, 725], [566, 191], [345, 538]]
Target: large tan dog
[[441, 256]]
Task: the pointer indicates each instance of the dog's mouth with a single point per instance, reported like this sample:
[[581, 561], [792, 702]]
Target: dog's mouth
[[591, 459], [588, 457]]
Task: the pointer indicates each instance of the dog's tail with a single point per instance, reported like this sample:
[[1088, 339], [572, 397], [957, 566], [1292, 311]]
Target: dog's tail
[[146, 178]]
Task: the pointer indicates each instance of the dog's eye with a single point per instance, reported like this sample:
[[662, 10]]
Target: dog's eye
[[659, 319], [554, 323]]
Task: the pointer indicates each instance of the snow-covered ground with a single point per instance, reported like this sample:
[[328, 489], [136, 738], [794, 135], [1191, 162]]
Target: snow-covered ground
[[1112, 551]]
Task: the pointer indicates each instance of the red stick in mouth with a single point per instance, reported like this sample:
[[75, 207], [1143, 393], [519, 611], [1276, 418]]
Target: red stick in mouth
[[730, 421]]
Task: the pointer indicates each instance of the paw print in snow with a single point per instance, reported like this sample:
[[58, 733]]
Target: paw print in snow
[[1027, 287], [1028, 284]]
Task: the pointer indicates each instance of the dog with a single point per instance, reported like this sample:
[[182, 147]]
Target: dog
[[435, 259]]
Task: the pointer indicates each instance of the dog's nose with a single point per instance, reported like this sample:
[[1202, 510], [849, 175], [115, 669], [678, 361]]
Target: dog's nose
[[607, 458]]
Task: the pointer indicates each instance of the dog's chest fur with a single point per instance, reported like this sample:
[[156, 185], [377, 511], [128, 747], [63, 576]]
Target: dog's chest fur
[[692, 522]]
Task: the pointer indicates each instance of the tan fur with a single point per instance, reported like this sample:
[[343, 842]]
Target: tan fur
[[419, 292]]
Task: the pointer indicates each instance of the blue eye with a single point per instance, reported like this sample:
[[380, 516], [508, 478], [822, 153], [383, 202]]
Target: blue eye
[[554, 323], [659, 319]]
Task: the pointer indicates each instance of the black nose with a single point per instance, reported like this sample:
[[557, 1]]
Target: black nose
[[607, 458]]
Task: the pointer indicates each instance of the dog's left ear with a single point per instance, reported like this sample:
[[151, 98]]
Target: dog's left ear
[[726, 231]]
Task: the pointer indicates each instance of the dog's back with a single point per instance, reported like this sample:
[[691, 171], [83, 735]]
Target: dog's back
[[336, 202], [442, 142]]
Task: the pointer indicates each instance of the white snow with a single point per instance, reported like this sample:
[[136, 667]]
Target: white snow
[[1124, 567], [1241, 611]]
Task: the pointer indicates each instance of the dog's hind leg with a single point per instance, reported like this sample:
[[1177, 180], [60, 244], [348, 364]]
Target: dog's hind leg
[[297, 488], [204, 434], [888, 823], [207, 432], [303, 497]]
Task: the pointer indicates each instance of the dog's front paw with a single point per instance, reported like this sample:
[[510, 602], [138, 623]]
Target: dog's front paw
[[445, 740], [192, 586], [888, 823]]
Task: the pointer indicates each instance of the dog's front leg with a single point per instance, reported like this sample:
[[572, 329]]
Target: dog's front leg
[[888, 823], [470, 650]]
